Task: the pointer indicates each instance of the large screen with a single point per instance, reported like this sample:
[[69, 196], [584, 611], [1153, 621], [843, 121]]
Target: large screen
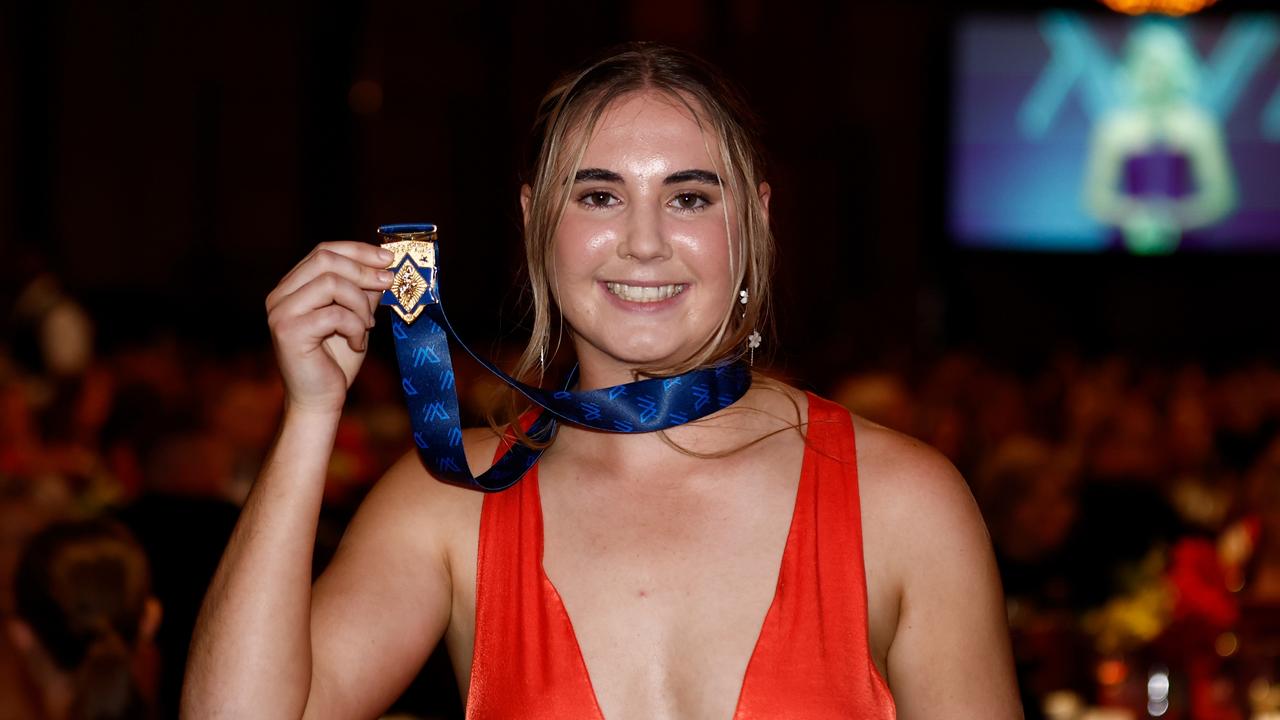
[[1082, 133]]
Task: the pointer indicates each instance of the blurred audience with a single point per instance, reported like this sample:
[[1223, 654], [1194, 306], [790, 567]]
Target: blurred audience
[[83, 625], [1135, 510], [1128, 501]]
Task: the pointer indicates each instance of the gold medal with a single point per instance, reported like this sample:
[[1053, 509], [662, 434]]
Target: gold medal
[[414, 286]]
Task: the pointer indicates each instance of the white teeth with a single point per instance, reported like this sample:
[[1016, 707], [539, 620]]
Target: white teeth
[[644, 294]]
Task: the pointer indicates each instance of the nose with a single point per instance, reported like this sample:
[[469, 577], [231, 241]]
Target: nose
[[644, 238]]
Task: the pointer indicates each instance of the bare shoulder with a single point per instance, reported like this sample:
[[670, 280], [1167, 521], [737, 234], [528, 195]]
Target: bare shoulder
[[410, 517], [409, 492], [920, 522], [938, 618], [902, 480], [908, 485], [480, 444]]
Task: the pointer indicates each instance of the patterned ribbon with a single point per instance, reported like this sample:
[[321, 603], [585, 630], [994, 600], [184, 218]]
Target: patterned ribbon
[[422, 333]]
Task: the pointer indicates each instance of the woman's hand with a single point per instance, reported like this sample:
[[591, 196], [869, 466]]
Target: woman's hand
[[320, 316]]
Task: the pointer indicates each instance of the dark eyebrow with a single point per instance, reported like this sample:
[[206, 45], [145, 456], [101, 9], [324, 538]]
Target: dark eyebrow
[[597, 175], [705, 177]]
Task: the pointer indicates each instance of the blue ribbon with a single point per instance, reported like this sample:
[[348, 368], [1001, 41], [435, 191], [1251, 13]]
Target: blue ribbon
[[422, 333]]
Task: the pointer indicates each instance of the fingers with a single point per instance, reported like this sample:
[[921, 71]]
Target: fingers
[[345, 323], [302, 332], [360, 263], [327, 289], [319, 325], [361, 252]]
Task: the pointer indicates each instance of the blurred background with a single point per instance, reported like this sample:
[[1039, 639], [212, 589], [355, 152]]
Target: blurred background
[[1043, 238]]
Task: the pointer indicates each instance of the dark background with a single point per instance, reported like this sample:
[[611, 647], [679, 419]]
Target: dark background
[[170, 161]]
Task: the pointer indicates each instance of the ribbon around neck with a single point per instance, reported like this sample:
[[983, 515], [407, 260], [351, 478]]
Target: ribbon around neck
[[422, 331]]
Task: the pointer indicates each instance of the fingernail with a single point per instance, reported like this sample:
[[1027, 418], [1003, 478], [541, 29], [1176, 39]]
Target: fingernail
[[385, 276], [385, 255]]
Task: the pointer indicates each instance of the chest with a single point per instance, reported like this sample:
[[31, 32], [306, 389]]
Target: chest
[[667, 580], [672, 594]]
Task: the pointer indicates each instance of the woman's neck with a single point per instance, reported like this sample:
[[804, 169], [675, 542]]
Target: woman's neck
[[761, 412], [596, 373], [598, 369], [758, 413]]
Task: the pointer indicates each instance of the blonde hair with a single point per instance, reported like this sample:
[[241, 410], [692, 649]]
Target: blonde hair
[[565, 121]]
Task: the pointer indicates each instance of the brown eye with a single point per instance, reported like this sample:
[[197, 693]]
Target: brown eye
[[598, 200], [689, 201]]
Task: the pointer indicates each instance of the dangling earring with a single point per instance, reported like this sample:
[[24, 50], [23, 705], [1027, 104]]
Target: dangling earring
[[753, 340]]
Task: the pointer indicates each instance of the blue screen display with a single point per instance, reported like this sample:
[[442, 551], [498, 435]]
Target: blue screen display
[[1084, 133]]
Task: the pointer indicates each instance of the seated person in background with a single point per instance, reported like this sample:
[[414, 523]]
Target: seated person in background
[[85, 619], [1029, 494]]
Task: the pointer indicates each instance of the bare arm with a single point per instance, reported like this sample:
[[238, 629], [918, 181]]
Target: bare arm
[[251, 654], [251, 651], [369, 622], [949, 656], [385, 600]]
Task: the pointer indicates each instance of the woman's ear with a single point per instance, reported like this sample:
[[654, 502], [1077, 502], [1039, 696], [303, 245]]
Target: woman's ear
[[526, 193], [765, 193]]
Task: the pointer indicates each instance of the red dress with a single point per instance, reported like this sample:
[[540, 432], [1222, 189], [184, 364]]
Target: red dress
[[812, 659]]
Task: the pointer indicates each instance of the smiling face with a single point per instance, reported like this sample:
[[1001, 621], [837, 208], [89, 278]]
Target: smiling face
[[641, 258]]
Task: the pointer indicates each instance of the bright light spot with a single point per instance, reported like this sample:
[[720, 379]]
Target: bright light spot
[[1259, 690], [1158, 686], [1167, 7], [1112, 672], [1062, 705], [1226, 644], [1156, 708]]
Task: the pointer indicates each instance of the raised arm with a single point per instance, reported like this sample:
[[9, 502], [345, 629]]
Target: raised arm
[[252, 652]]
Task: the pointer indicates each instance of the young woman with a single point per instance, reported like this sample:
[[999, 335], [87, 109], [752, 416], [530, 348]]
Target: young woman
[[779, 558]]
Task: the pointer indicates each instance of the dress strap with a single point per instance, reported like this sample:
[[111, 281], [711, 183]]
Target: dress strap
[[813, 657], [526, 662]]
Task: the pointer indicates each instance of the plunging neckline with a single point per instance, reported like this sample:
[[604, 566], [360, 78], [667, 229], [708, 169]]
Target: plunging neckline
[[787, 551]]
